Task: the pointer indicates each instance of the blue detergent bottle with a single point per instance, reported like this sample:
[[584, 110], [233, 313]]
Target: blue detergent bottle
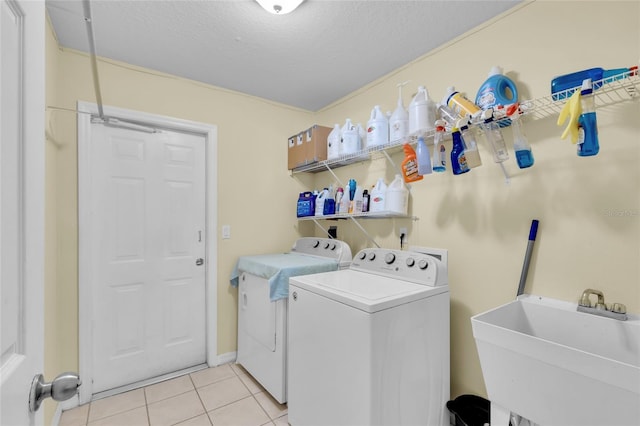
[[497, 90], [458, 160], [588, 144]]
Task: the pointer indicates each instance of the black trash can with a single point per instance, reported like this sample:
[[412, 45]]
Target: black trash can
[[470, 410]]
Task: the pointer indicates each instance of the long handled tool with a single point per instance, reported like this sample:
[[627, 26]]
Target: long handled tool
[[527, 257]]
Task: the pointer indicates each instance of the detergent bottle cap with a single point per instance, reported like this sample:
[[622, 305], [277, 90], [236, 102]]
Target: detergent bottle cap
[[495, 70], [587, 87], [440, 125]]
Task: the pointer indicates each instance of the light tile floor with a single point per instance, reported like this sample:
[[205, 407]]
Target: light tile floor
[[219, 396]]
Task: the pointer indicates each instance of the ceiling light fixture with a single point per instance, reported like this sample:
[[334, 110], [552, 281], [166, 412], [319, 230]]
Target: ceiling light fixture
[[279, 7]]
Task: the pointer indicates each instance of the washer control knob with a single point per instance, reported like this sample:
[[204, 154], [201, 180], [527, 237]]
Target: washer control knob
[[390, 258], [326, 245], [372, 256], [410, 262], [363, 255], [316, 243], [333, 246], [423, 264]]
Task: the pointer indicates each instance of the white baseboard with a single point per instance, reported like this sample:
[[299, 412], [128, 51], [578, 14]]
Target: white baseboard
[[227, 358]]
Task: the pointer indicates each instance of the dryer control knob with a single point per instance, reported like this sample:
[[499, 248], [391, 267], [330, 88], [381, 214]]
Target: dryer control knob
[[372, 256], [326, 245], [423, 264], [390, 258], [410, 262], [316, 243], [363, 255]]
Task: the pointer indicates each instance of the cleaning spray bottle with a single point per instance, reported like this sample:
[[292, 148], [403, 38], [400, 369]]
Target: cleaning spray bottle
[[377, 128], [333, 143], [399, 120], [588, 144], [471, 152], [458, 160], [423, 157], [493, 134], [521, 146], [422, 112], [410, 165], [339, 195], [439, 157]]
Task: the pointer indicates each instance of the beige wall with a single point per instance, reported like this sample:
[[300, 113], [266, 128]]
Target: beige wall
[[482, 221]]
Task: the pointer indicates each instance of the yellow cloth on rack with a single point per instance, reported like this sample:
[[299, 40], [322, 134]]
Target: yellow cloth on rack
[[572, 110]]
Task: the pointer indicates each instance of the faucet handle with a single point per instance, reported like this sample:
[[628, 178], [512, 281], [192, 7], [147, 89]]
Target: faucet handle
[[584, 300], [619, 308]]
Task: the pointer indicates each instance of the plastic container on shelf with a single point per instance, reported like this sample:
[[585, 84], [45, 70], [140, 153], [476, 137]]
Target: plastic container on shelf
[[350, 138], [422, 112], [493, 135], [521, 147], [410, 165], [459, 103], [377, 128], [333, 143], [378, 196], [306, 204], [397, 197], [458, 159], [471, 146], [423, 157], [399, 120], [439, 157], [560, 85], [498, 89], [320, 199]]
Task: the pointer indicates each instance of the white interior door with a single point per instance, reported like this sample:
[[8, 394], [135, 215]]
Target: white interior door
[[21, 206], [147, 248]]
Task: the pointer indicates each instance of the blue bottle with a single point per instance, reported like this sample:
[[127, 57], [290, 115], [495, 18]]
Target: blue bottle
[[497, 90], [524, 156], [588, 144], [458, 160], [423, 157]]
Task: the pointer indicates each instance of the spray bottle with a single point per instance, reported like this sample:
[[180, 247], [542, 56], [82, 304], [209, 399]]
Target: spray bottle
[[492, 133], [410, 165], [588, 144], [458, 160], [423, 157], [439, 157], [521, 146], [399, 120], [471, 151]]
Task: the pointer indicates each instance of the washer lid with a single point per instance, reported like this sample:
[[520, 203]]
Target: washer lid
[[367, 292]]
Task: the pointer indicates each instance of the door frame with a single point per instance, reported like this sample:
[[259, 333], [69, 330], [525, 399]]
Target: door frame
[[210, 132]]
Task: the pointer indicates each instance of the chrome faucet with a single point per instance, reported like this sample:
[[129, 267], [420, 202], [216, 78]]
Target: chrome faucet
[[616, 311]]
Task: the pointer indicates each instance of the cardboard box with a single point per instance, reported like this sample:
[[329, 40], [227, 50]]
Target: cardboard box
[[307, 147], [296, 149], [315, 141]]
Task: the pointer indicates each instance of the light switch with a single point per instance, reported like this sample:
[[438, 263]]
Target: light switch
[[226, 232]]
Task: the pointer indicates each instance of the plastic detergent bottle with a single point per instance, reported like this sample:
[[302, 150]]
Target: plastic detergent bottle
[[439, 158], [377, 128], [350, 138], [471, 151], [422, 112], [458, 160], [358, 200], [397, 196], [378, 195], [521, 146], [459, 103], [588, 144], [339, 195], [493, 134], [498, 89], [333, 143], [399, 120], [410, 165], [320, 199], [423, 157]]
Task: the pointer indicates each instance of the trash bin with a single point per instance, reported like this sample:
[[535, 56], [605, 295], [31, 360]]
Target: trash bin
[[469, 410]]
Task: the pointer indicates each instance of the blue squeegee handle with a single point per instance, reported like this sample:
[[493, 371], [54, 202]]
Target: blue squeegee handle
[[533, 231]]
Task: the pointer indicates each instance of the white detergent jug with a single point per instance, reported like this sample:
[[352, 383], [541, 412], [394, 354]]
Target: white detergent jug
[[377, 128], [399, 120], [378, 196], [333, 143], [322, 196], [350, 139], [422, 112], [397, 197]]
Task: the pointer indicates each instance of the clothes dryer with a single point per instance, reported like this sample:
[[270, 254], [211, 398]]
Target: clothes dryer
[[263, 287], [369, 345]]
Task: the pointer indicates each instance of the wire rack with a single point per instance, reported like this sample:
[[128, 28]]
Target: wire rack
[[608, 91]]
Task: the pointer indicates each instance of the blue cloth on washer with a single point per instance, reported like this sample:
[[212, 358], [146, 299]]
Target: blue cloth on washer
[[278, 268]]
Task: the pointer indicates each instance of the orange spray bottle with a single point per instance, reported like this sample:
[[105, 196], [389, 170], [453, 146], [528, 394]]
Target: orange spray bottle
[[410, 165]]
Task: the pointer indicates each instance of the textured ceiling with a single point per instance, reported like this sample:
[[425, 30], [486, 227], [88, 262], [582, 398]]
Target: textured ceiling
[[310, 58]]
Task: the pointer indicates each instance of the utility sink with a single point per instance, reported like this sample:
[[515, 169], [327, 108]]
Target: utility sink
[[552, 365]]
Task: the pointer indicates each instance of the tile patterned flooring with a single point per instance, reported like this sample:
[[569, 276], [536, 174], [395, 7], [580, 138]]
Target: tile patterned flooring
[[219, 396]]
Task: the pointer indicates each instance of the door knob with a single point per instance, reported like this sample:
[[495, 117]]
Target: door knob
[[61, 388], [199, 261]]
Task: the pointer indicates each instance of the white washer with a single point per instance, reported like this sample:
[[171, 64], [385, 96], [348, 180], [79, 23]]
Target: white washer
[[369, 345], [262, 305]]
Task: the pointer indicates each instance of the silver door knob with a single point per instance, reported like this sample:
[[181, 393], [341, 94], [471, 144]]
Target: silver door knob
[[61, 388], [199, 261]]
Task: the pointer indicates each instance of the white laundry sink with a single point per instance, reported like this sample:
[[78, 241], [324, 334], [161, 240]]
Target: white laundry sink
[[553, 365]]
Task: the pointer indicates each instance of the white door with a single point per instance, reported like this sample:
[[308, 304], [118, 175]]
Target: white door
[[147, 248], [21, 206]]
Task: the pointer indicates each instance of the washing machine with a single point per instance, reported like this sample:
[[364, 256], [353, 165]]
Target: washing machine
[[263, 287], [369, 345]]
